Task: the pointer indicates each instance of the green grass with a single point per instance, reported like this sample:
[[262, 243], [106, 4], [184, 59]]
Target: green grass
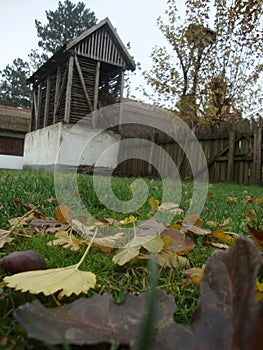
[[37, 188]]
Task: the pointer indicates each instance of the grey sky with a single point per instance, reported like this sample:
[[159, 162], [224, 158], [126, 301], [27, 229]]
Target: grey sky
[[135, 21]]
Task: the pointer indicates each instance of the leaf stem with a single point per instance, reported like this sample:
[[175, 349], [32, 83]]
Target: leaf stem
[[87, 250], [21, 219]]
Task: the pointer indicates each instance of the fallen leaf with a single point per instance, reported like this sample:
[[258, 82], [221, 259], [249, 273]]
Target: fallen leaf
[[129, 220], [193, 219], [212, 223], [227, 314], [224, 237], [68, 280], [67, 240], [258, 201], [256, 235], [170, 207], [95, 320], [154, 203], [216, 245], [180, 243], [64, 214], [5, 238], [50, 225], [168, 258], [195, 275], [152, 244]]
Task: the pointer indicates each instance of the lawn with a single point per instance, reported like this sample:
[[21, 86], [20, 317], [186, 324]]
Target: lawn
[[230, 205]]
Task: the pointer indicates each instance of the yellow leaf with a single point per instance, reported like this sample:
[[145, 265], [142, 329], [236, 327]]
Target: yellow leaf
[[154, 203], [258, 201], [68, 280], [63, 214], [223, 236], [195, 275], [212, 223], [129, 220], [259, 286]]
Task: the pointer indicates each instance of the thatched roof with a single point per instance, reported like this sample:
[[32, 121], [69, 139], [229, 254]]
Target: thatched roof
[[14, 119]]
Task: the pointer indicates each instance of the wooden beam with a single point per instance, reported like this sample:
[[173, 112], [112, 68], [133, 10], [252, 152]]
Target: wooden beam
[[60, 94], [83, 83], [231, 151], [68, 92], [96, 88], [37, 99], [47, 101], [257, 156], [58, 79]]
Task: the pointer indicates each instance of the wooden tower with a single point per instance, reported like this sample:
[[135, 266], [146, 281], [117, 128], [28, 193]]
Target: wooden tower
[[85, 74]]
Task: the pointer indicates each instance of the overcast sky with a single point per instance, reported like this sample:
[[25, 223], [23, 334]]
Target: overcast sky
[[135, 21]]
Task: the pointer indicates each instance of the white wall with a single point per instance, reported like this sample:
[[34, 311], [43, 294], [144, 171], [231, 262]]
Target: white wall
[[11, 162], [72, 145]]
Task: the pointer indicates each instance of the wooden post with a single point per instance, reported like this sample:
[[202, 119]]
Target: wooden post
[[257, 156], [37, 100], [55, 118], [231, 151], [96, 88], [121, 100], [47, 101], [68, 92], [83, 83]]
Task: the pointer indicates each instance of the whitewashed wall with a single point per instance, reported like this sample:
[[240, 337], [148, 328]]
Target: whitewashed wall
[[11, 162], [70, 145]]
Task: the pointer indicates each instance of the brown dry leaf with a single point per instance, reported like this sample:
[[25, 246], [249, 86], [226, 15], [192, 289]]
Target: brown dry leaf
[[257, 236], [226, 222], [168, 258], [227, 314], [67, 240], [223, 236], [216, 245], [193, 219], [5, 238], [64, 214], [170, 208], [50, 225], [195, 275], [180, 243]]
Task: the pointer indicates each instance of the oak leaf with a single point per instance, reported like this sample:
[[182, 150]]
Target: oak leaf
[[227, 314]]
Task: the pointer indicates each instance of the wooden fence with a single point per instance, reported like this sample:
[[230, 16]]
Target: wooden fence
[[233, 153]]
